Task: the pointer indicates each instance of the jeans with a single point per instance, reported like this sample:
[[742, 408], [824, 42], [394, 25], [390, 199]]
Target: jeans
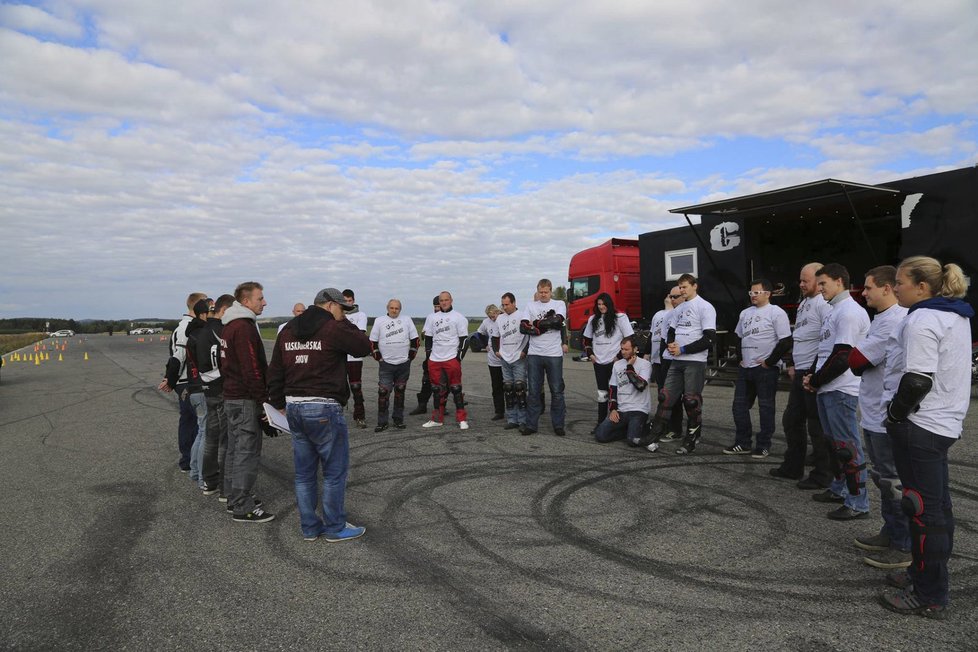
[[630, 426], [880, 453], [199, 403], [759, 383], [684, 380], [602, 377], [244, 446], [536, 367], [498, 399], [921, 460], [187, 430], [391, 379], [801, 422], [215, 444], [515, 372], [320, 437], [837, 412]]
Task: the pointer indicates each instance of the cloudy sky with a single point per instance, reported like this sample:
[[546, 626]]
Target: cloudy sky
[[405, 146]]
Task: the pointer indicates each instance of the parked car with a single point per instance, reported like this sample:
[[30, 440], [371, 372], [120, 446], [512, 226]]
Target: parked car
[[62, 333]]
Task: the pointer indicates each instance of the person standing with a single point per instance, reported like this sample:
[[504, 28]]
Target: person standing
[[307, 381], [927, 389], [195, 386], [660, 357], [425, 392], [243, 368], [544, 323], [175, 380], [486, 331], [354, 366], [297, 310], [800, 418], [602, 338], [629, 396], [449, 332], [394, 344], [765, 336], [889, 548], [510, 347], [692, 331], [838, 391], [208, 350]]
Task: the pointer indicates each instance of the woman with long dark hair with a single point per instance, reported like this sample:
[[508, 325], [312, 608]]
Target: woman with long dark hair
[[927, 390], [602, 344]]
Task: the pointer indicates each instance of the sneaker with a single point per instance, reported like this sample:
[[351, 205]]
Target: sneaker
[[498, 417], [526, 431], [777, 472], [209, 489], [899, 579], [381, 427], [511, 426], [810, 484], [183, 469], [257, 515], [687, 448], [889, 559], [760, 453], [827, 497], [229, 509], [736, 450], [349, 532], [875, 543], [670, 436], [463, 425], [421, 409], [361, 423], [846, 514], [653, 447], [559, 432], [222, 498], [907, 603], [432, 424], [310, 537], [399, 425]]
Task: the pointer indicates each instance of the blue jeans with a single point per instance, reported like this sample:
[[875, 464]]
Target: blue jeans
[[536, 366], [879, 449], [760, 383], [837, 413], [320, 437], [199, 403], [630, 425], [187, 430], [921, 459], [514, 372]]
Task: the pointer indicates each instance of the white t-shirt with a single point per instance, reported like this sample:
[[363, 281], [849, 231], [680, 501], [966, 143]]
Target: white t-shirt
[[393, 336], [692, 317], [489, 330], [812, 312], [847, 323], [607, 346], [872, 411], [511, 341], [546, 344], [358, 319], [445, 329], [656, 334], [629, 398], [939, 343], [759, 330]]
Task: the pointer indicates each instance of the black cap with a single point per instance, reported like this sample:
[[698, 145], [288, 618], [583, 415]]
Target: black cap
[[434, 301], [334, 295], [203, 306]]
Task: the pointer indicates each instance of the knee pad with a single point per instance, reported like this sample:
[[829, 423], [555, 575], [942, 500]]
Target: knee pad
[[912, 503], [509, 394], [383, 394], [519, 388], [356, 388], [400, 387], [458, 396], [846, 456], [602, 396], [693, 404], [890, 488]]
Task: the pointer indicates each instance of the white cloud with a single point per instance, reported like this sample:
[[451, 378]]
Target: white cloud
[[37, 21]]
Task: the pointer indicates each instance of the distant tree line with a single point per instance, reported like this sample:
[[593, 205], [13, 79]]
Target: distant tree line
[[37, 325]]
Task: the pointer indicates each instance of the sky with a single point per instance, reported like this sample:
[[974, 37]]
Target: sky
[[150, 149]]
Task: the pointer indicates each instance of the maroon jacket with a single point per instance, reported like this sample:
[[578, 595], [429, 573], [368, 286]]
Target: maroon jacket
[[309, 358], [243, 361]]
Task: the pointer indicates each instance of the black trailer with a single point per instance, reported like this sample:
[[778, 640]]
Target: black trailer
[[772, 234]]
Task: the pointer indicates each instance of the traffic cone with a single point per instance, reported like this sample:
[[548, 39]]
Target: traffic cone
[[37, 361], [60, 358], [86, 355], [47, 356]]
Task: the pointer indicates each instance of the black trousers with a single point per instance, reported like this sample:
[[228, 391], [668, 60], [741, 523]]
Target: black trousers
[[498, 397], [801, 424]]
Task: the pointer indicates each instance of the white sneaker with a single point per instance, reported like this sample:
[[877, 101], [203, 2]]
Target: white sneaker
[[463, 425], [433, 424]]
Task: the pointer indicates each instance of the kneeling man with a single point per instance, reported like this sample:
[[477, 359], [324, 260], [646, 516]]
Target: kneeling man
[[629, 398]]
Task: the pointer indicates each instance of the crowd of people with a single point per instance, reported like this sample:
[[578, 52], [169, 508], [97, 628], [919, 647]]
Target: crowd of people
[[903, 377]]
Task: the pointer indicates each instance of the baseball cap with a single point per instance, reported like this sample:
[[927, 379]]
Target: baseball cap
[[334, 295], [203, 306]]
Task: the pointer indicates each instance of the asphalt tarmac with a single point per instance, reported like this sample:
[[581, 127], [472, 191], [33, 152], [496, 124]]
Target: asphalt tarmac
[[476, 540]]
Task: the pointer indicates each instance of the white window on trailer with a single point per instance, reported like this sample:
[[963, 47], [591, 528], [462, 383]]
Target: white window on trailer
[[679, 262]]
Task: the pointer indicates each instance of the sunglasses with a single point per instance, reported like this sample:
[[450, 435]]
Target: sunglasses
[[675, 296], [757, 293]]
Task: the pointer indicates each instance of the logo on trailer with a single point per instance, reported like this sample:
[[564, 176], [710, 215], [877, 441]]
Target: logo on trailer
[[725, 236]]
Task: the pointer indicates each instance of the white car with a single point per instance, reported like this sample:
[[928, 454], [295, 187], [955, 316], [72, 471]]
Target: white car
[[62, 333]]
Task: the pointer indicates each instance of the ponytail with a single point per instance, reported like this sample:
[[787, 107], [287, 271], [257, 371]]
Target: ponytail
[[953, 283]]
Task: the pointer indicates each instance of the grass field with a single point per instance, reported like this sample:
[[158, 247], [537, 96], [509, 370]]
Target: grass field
[[10, 343]]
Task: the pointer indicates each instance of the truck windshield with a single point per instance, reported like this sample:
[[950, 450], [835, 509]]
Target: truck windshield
[[583, 287]]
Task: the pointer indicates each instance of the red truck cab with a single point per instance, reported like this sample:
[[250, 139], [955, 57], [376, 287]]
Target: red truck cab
[[610, 267]]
